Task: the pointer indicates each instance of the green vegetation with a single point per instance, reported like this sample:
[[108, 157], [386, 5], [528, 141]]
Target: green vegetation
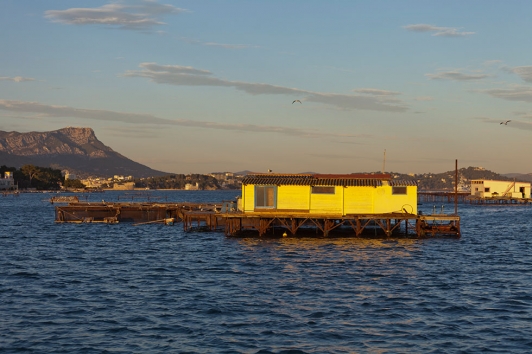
[[178, 181], [30, 176], [73, 183]]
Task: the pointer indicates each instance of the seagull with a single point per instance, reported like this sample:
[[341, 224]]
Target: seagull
[[506, 123], [296, 101]]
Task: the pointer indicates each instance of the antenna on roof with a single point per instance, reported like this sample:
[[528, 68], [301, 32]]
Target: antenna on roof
[[384, 161]]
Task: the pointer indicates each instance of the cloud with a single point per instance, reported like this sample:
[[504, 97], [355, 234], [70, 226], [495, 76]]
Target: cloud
[[140, 15], [53, 111], [438, 31], [514, 93], [377, 92], [525, 115], [227, 46], [513, 124], [493, 63], [456, 76], [16, 78], [525, 72], [174, 69], [221, 45], [176, 75]]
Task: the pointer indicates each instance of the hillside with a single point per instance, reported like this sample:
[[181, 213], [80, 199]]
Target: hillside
[[77, 150], [445, 180]]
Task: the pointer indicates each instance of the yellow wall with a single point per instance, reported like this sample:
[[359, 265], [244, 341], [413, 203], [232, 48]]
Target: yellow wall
[[346, 200], [386, 202], [293, 197], [248, 196], [327, 203], [358, 200]]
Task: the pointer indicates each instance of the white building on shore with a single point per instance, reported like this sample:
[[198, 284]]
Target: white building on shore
[[492, 189], [8, 182]]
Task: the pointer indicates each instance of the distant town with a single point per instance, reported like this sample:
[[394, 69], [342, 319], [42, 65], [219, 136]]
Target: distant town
[[32, 178]]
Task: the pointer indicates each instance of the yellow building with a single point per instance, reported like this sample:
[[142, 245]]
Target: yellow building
[[334, 195], [490, 188]]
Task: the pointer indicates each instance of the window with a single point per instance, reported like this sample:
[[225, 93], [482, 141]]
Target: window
[[398, 190], [265, 196], [322, 190], [486, 190]]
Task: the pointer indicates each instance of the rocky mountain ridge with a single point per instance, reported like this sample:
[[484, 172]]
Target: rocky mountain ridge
[[77, 150], [70, 140]]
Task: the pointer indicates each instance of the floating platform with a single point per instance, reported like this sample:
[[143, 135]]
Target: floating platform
[[222, 217], [64, 199], [112, 213]]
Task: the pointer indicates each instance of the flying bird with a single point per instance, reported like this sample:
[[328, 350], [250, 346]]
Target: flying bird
[[506, 123], [296, 101]]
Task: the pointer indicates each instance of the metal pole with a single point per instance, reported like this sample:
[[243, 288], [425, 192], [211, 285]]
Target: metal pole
[[456, 188]]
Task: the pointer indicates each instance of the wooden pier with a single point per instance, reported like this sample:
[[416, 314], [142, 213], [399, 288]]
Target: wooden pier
[[467, 198], [110, 212], [220, 217], [442, 196], [499, 201], [376, 225]]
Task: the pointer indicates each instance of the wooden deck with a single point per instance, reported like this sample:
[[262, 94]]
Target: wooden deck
[[219, 217], [387, 225], [498, 201], [110, 212]]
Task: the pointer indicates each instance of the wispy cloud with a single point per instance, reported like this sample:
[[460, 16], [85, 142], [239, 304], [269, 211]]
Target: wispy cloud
[[513, 93], [16, 79], [175, 75], [513, 124], [139, 15], [525, 72], [526, 115], [53, 111], [220, 45], [456, 76], [437, 31], [496, 62], [377, 92]]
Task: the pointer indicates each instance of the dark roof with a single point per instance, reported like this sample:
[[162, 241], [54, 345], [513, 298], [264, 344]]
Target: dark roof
[[361, 180], [402, 182]]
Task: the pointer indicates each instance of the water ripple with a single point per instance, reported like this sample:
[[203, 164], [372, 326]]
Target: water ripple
[[153, 288]]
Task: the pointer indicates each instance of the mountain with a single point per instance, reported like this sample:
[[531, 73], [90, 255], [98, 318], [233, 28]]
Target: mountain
[[77, 150]]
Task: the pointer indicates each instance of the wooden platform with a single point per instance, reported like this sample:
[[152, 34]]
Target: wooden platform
[[387, 225], [219, 217], [498, 201], [442, 196], [110, 212]]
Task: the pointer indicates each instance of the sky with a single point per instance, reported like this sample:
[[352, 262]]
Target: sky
[[288, 86]]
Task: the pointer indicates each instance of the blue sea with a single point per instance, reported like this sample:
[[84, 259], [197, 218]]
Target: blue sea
[[97, 288]]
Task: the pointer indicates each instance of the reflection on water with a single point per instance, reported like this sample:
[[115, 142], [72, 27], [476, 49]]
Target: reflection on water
[[153, 288]]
